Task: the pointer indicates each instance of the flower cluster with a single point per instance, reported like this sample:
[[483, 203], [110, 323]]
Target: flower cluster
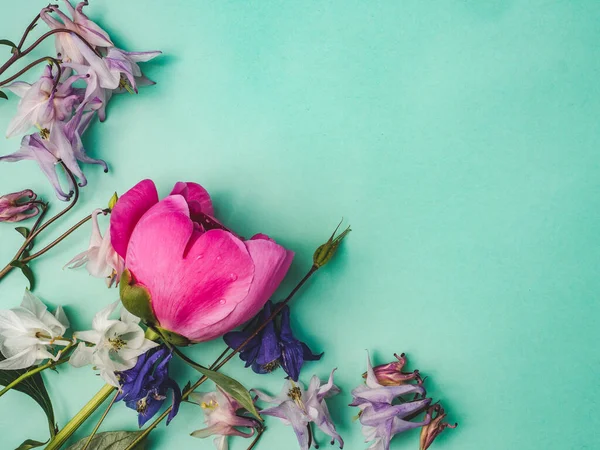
[[59, 110]]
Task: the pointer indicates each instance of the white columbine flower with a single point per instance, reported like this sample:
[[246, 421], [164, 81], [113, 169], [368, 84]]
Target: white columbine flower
[[100, 259], [116, 344], [27, 331]]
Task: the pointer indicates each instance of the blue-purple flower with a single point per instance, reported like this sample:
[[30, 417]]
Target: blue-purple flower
[[274, 346], [385, 412], [145, 386]]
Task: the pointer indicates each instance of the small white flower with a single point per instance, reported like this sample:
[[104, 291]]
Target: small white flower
[[27, 331], [116, 344], [100, 259]]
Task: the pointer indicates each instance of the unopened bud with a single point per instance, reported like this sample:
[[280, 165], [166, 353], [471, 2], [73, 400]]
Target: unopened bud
[[113, 201], [325, 252]]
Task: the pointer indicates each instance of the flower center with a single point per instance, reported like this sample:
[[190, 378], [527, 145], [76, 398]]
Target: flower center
[[270, 367], [45, 133], [142, 405], [116, 343], [124, 84], [295, 394], [210, 405]]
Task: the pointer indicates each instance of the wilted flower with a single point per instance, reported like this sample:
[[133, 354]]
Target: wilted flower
[[145, 386], [391, 374], [274, 346], [100, 259], [18, 206], [202, 279], [81, 24], [380, 416], [28, 331], [221, 417], [40, 104], [433, 429], [116, 344], [300, 408], [62, 142]]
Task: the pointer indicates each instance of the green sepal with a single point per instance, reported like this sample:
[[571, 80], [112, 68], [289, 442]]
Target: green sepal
[[173, 338], [26, 271], [113, 201], [136, 299], [3, 95], [325, 252], [23, 231]]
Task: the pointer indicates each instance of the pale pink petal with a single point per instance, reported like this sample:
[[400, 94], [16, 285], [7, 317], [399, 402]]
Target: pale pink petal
[[128, 211]]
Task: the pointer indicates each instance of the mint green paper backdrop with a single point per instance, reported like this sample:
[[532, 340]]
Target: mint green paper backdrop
[[459, 138]]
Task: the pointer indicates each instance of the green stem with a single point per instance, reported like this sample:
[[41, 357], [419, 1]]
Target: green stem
[[256, 439], [63, 435], [104, 414]]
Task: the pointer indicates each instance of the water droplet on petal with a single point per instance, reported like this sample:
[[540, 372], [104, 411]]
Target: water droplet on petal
[[222, 301], [218, 258], [233, 277], [200, 256]]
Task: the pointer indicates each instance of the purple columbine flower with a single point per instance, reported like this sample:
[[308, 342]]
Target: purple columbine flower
[[18, 206], [301, 408], [62, 142], [274, 346], [144, 387], [385, 412], [40, 104]]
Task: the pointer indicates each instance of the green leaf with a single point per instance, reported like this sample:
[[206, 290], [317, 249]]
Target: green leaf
[[3, 95], [23, 231], [34, 387], [232, 387], [26, 271], [29, 444], [7, 42], [110, 440]]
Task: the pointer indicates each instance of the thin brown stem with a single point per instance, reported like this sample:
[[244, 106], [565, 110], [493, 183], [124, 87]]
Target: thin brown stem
[[29, 66], [216, 366], [97, 427], [256, 439]]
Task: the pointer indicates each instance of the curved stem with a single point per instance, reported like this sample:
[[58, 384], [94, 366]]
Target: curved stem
[[50, 364], [63, 435], [27, 67], [216, 366], [256, 439], [104, 414]]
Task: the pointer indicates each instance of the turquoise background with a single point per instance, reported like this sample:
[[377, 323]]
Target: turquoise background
[[458, 138]]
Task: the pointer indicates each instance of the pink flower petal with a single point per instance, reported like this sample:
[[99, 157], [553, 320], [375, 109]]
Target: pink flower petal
[[196, 196], [271, 263], [128, 211], [194, 279]]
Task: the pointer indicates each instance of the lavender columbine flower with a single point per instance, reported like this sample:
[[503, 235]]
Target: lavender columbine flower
[[273, 347], [381, 418], [81, 24], [144, 387], [18, 206], [301, 408], [40, 104], [391, 374], [433, 429], [60, 143]]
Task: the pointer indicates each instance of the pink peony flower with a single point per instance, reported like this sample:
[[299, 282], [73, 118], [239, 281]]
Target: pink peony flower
[[203, 280]]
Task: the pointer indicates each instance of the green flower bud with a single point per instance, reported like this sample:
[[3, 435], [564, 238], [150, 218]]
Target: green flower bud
[[136, 298], [325, 252], [113, 201]]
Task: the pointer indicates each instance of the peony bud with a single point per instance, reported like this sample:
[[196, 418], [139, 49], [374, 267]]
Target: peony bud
[[18, 206], [391, 374]]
